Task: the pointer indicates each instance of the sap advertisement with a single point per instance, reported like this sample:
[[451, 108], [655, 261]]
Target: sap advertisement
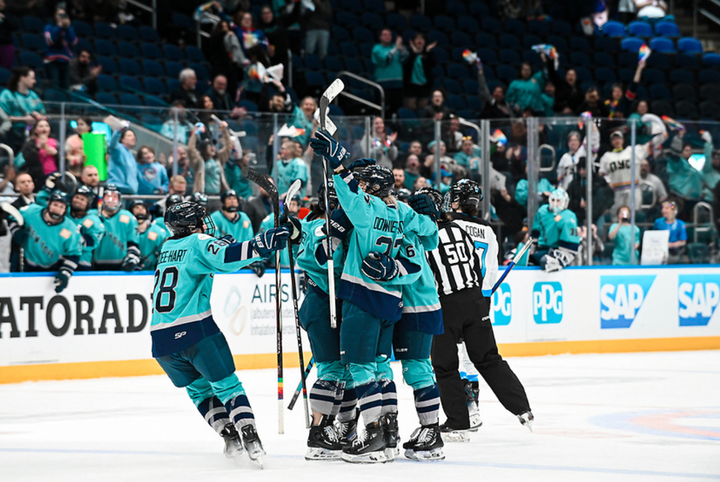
[[606, 303], [108, 317]]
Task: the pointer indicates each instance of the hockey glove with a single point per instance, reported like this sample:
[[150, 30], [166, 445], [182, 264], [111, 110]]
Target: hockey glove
[[379, 267], [422, 204], [19, 236], [294, 225], [360, 163], [267, 242], [61, 280], [324, 145], [258, 267], [131, 262], [226, 240]]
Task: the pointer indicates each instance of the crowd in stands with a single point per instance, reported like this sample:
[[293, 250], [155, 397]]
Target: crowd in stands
[[206, 112]]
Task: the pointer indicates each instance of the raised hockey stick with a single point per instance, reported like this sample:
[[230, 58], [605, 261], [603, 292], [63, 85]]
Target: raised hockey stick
[[12, 211], [299, 388], [294, 188], [259, 179], [512, 264], [333, 91]]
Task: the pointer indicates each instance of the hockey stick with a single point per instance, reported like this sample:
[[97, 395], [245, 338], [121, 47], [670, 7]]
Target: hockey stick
[[512, 265], [294, 188], [259, 179], [296, 395], [333, 91]]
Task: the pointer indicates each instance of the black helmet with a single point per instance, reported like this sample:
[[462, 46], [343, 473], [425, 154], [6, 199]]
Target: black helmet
[[228, 194], [171, 200], [137, 202], [88, 193], [112, 189], [332, 196], [59, 196], [432, 194], [403, 194], [466, 192], [379, 180], [184, 218], [200, 198]]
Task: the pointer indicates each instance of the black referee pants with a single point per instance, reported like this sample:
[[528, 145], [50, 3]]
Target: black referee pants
[[466, 315]]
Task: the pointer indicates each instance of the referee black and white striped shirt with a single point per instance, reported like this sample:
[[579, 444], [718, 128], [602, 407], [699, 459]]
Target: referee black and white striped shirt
[[455, 262]]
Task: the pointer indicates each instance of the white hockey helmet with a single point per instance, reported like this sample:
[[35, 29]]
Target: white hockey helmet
[[558, 200]]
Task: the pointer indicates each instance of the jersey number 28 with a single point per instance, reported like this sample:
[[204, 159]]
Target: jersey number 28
[[165, 304]]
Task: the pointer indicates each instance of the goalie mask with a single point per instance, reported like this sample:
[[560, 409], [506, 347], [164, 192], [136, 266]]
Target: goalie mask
[[558, 201]]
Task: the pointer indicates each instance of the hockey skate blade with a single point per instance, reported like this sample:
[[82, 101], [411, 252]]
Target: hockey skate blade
[[391, 453], [456, 436], [435, 455], [371, 458], [316, 453], [234, 452]]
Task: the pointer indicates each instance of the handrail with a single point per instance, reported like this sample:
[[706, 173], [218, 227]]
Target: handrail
[[152, 9], [375, 85], [710, 16], [9, 150], [705, 229]]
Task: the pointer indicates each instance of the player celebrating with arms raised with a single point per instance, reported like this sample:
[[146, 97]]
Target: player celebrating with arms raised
[[186, 342]]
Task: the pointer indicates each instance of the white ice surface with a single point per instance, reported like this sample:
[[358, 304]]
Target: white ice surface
[[614, 417]]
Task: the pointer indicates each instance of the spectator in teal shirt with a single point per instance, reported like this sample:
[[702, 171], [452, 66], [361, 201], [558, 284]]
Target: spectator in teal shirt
[[387, 57], [626, 238], [21, 104], [527, 90]]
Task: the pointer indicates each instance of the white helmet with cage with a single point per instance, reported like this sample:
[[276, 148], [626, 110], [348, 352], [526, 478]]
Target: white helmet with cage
[[558, 201]]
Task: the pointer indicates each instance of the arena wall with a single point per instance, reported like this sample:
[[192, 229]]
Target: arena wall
[[100, 325]]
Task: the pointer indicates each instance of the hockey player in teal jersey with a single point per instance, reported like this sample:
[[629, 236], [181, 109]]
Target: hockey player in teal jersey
[[119, 247], [151, 235], [370, 287], [91, 228], [49, 239], [229, 220], [186, 341], [326, 394], [413, 334], [555, 228], [170, 201]]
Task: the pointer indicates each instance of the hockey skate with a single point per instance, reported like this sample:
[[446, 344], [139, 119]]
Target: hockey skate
[[425, 444], [252, 444], [392, 437], [451, 434], [323, 441], [233, 444], [526, 418], [346, 431], [368, 449], [472, 392]]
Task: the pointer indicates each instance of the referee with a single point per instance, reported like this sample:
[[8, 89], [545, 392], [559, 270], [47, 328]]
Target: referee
[[458, 265]]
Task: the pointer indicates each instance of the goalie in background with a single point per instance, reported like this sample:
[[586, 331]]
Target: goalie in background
[[555, 228]]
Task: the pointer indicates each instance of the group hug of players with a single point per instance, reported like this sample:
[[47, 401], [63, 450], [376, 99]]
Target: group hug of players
[[412, 280]]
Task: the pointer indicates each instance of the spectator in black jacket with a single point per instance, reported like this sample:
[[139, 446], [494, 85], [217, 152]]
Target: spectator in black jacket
[[276, 32], [593, 104], [187, 93], [83, 75], [225, 55], [437, 109], [568, 94], [316, 24], [418, 72], [603, 196], [221, 99]]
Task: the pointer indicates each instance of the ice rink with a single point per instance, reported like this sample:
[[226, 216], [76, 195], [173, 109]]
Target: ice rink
[[635, 417]]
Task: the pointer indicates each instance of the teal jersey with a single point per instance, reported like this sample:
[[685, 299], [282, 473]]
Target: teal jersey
[[92, 231], [286, 172], [268, 223], [299, 119], [378, 227], [312, 255], [150, 242], [46, 244], [240, 228], [183, 285], [421, 303], [212, 177], [556, 230], [625, 243], [16, 104], [120, 233], [237, 181], [471, 162]]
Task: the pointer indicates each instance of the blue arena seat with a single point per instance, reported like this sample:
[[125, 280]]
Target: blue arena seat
[[173, 52], [662, 45], [105, 47], [711, 59], [151, 68], [105, 30], [613, 29], [491, 25], [689, 45], [445, 23], [631, 44], [107, 83], [486, 40], [109, 66], [128, 50], [126, 32], [640, 29], [150, 51], [130, 83], [667, 29], [130, 67]]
